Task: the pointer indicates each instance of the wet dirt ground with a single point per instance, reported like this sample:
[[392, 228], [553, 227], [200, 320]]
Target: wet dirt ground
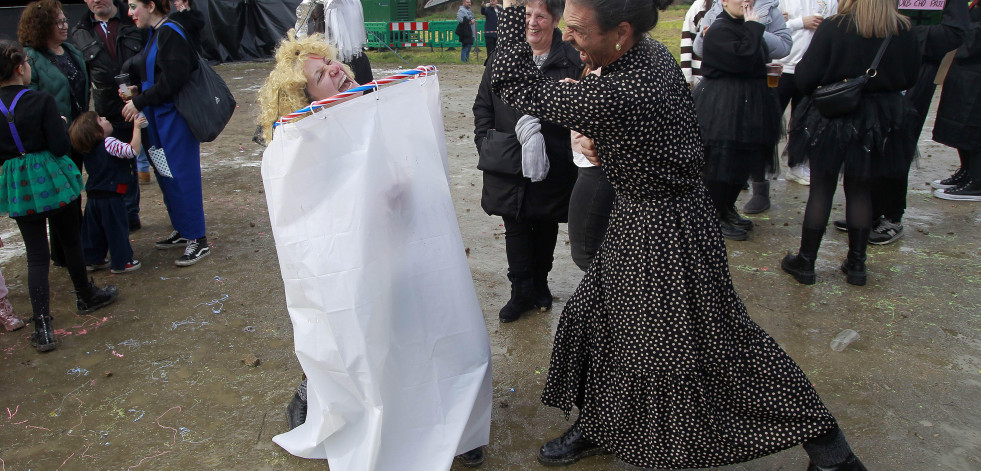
[[162, 379]]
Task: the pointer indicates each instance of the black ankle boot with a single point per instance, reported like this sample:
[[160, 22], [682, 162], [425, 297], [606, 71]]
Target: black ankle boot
[[92, 297], [850, 464], [472, 458], [854, 266], [736, 220], [522, 299], [43, 338], [296, 411], [543, 295], [801, 266], [568, 449]]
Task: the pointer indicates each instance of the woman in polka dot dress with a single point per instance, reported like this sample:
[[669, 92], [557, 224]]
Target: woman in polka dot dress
[[655, 348], [37, 183]]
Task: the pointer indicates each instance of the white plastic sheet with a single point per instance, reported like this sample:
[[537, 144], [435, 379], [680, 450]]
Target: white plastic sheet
[[386, 322]]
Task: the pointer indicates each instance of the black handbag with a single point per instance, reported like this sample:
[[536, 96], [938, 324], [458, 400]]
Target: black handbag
[[840, 98], [205, 101], [500, 153]]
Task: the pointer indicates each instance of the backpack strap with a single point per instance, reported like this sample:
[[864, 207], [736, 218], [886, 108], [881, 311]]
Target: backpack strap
[[9, 114]]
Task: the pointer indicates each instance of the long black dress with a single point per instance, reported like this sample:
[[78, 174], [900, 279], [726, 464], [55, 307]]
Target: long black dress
[[655, 348]]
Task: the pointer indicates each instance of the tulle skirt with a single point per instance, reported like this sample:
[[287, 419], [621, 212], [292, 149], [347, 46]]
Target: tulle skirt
[[38, 182], [740, 122], [877, 140]]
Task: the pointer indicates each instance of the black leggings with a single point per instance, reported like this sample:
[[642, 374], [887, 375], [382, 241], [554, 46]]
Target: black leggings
[[34, 231], [858, 202]]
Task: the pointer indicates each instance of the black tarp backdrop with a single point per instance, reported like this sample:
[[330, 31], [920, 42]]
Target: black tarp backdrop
[[235, 30]]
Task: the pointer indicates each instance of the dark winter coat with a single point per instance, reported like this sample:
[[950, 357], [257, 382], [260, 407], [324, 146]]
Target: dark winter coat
[[102, 66], [48, 78], [506, 191], [958, 121]]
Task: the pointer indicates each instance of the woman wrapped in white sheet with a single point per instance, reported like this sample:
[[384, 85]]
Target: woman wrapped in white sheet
[[386, 322]]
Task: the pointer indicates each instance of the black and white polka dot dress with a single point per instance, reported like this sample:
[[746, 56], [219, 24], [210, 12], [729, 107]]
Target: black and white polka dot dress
[[655, 348]]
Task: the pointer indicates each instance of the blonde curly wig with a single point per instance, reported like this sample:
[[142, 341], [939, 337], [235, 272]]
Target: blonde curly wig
[[285, 90]]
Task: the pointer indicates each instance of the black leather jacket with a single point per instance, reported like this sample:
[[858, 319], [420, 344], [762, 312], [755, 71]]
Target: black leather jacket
[[102, 67]]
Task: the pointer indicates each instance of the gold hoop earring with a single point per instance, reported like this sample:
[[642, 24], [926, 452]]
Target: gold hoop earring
[[618, 46]]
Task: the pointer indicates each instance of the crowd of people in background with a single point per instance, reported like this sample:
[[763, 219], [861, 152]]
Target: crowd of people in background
[[129, 60], [596, 126]]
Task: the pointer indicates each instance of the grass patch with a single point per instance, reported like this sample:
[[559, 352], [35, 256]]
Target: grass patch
[[667, 31]]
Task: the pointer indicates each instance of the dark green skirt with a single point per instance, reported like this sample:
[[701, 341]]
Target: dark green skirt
[[38, 182]]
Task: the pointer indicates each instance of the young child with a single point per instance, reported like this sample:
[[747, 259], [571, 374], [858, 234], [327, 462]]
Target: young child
[[37, 184], [105, 226]]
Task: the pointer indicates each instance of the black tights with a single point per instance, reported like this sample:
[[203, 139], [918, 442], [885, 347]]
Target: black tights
[[858, 202], [34, 231], [723, 194]]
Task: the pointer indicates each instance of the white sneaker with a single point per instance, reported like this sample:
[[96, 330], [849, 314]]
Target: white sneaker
[[800, 174]]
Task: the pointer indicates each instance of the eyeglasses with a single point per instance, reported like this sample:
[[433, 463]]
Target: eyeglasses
[[61, 22]]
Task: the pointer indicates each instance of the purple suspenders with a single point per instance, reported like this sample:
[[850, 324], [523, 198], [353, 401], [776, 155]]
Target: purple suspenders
[[10, 120]]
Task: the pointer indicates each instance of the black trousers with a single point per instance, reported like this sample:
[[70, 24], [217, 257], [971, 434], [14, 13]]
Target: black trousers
[[105, 229], [589, 214], [67, 223], [491, 42], [529, 245]]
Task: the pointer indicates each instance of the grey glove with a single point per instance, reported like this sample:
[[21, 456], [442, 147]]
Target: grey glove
[[534, 161]]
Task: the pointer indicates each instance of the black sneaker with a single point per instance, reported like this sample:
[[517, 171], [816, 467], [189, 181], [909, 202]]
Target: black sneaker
[[841, 225], [970, 191], [195, 251], [958, 178], [135, 225], [175, 240], [885, 232]]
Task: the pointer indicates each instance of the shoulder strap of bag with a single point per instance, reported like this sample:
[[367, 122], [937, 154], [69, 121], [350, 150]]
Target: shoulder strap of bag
[[9, 114], [873, 69]]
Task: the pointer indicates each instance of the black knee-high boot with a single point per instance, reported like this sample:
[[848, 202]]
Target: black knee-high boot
[[801, 266], [854, 265]]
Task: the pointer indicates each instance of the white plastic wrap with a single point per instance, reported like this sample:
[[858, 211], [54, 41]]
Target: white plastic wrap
[[386, 322]]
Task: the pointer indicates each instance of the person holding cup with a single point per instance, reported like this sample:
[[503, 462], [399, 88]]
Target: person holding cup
[[739, 116], [164, 66]]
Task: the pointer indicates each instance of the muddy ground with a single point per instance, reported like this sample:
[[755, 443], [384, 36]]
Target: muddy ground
[[159, 380]]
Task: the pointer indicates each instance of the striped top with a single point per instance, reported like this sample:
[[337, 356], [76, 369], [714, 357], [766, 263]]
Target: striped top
[[119, 148], [691, 62]]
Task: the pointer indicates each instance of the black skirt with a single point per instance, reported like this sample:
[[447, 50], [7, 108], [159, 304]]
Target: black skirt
[[877, 140], [740, 121]]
